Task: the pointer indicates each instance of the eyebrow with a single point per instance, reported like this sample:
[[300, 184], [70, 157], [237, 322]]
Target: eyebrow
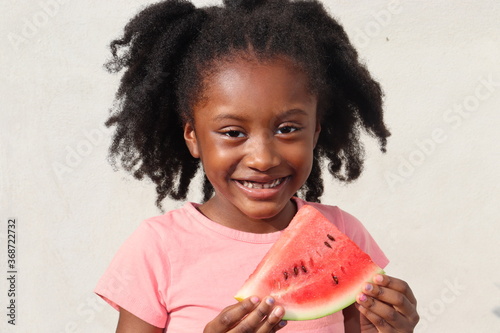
[[224, 116], [293, 112], [285, 114]]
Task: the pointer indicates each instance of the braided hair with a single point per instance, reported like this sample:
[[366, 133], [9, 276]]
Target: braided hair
[[170, 48]]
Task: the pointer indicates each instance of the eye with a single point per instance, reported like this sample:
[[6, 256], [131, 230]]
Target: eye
[[287, 129], [233, 134]]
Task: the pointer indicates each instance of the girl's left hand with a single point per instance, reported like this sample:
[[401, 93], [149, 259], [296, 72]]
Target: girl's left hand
[[387, 305]]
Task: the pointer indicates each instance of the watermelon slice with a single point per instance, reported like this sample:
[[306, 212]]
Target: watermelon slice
[[312, 270]]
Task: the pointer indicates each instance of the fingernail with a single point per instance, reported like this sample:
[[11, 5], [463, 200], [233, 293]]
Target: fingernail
[[278, 312], [363, 298], [378, 278], [254, 299], [282, 323], [368, 287], [270, 301]]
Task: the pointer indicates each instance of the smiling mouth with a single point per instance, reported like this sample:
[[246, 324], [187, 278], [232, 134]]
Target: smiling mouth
[[256, 185]]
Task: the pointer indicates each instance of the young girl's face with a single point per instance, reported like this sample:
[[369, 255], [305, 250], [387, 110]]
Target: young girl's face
[[254, 130]]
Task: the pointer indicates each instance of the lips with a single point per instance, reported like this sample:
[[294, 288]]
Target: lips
[[262, 185]]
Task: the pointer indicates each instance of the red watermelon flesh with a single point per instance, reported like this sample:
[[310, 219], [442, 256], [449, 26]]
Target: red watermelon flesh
[[312, 270]]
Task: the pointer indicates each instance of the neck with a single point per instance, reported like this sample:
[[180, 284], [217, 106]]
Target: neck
[[231, 217]]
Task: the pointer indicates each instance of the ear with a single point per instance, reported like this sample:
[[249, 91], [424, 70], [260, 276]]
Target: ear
[[317, 130], [191, 141]]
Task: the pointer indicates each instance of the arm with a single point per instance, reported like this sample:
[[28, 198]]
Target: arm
[[244, 316], [129, 323]]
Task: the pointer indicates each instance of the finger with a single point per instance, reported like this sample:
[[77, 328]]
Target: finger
[[380, 324], [395, 284], [393, 298], [261, 319], [233, 314], [384, 315], [280, 325], [273, 322]]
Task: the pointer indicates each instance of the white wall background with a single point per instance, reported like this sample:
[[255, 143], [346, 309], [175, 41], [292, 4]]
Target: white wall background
[[431, 201]]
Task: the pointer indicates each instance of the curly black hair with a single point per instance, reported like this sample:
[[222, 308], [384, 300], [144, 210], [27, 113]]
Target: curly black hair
[[171, 47]]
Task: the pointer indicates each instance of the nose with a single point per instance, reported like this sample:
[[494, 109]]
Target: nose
[[262, 154]]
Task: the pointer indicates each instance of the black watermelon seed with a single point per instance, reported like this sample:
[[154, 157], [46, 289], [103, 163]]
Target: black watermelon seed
[[296, 270], [328, 245], [286, 275], [330, 237], [304, 269], [336, 279]]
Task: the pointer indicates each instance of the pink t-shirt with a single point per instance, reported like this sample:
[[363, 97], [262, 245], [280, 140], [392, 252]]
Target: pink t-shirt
[[180, 269]]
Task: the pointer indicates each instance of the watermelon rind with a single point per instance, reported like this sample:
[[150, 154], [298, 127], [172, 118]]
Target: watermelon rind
[[326, 309], [311, 294]]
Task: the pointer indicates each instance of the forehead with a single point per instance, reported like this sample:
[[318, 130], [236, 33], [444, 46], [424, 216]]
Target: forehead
[[255, 92], [248, 75]]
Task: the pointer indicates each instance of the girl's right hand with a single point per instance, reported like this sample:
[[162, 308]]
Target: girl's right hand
[[249, 315]]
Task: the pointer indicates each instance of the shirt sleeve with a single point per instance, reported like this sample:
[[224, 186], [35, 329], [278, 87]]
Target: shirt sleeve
[[137, 278], [355, 230]]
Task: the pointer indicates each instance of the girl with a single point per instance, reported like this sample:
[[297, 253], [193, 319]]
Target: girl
[[257, 93]]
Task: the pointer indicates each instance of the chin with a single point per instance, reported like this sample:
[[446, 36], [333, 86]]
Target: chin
[[264, 213]]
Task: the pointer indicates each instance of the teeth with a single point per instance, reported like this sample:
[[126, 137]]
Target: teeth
[[272, 184]]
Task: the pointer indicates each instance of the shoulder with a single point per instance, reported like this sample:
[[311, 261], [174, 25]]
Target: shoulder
[[170, 221], [156, 236]]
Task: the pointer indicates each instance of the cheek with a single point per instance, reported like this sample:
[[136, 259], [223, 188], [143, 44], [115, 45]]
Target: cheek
[[219, 160], [300, 157]]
